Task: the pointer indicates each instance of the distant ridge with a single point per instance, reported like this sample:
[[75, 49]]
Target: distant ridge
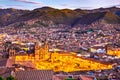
[[47, 17], [107, 17]]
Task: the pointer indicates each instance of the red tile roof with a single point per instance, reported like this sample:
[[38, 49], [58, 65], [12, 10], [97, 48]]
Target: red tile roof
[[34, 75]]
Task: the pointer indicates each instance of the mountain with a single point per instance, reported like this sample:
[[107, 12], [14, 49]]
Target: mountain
[[118, 13], [107, 17], [111, 9], [8, 16], [111, 18], [64, 16], [51, 17]]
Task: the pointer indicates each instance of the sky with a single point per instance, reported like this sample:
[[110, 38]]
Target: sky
[[60, 4]]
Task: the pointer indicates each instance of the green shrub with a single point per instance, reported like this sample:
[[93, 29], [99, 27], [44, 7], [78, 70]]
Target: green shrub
[[1, 78], [10, 78]]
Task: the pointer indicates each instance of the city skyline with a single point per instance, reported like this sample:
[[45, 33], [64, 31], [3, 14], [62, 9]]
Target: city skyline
[[60, 4]]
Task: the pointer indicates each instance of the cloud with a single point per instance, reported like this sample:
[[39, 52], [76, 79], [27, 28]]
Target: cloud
[[115, 5], [16, 5], [2, 6], [74, 6], [68, 6], [29, 1], [118, 5], [12, 6], [65, 5], [86, 7]]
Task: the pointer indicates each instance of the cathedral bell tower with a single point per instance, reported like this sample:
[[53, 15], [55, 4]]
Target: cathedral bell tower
[[42, 52]]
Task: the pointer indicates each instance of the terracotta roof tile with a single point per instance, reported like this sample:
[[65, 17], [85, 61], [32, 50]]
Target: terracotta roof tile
[[34, 75]]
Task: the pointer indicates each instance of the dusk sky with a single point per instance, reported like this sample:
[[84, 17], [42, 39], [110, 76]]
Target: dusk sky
[[60, 4]]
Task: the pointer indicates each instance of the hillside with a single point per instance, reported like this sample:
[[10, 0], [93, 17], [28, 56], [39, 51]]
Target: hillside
[[107, 17], [46, 14], [48, 17], [8, 16], [111, 18]]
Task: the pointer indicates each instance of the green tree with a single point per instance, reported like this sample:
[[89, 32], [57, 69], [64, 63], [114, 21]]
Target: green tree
[[1, 78], [68, 79], [10, 78]]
